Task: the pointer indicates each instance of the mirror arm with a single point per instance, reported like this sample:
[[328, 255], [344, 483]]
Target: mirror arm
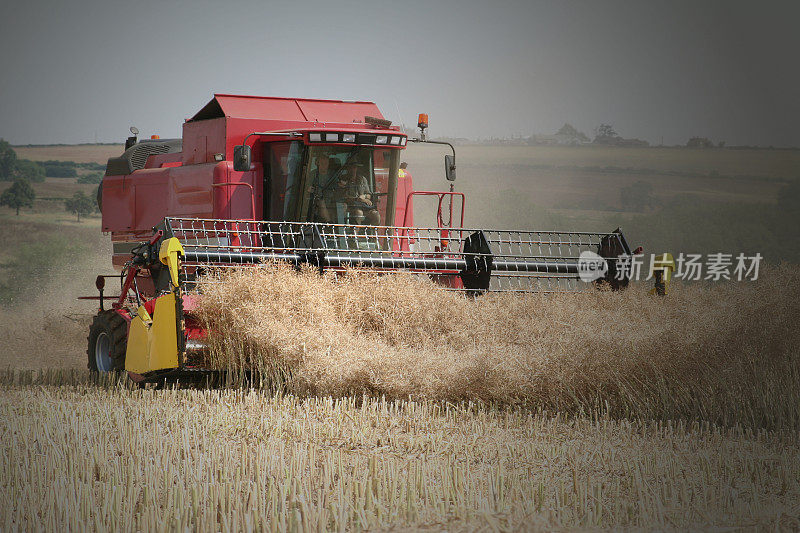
[[426, 141], [415, 140]]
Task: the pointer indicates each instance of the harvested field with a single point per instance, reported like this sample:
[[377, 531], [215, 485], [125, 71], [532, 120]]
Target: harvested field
[[725, 353], [82, 153], [80, 457]]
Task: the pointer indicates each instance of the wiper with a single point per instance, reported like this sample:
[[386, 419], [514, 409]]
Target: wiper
[[333, 178]]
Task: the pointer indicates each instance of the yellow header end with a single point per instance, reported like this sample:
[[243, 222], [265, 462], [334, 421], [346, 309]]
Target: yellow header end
[[665, 263], [663, 267], [169, 254]]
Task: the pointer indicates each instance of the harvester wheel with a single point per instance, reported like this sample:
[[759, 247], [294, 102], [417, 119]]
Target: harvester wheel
[[100, 196], [108, 338]]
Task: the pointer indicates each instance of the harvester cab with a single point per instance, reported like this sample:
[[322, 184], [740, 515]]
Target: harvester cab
[[313, 182]]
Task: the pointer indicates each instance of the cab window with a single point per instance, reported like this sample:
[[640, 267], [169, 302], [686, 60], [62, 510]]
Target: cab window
[[283, 162]]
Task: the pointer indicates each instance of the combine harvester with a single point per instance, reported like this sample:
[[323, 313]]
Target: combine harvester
[[308, 182]]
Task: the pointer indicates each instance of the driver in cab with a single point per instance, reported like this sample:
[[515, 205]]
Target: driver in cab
[[354, 189]]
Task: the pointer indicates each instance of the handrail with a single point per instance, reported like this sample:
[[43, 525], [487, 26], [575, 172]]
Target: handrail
[[252, 193], [441, 195]]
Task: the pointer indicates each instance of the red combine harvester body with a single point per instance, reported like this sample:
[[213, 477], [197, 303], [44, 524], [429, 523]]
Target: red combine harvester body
[[196, 177], [301, 181]]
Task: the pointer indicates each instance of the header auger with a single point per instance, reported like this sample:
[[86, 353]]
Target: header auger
[[313, 182]]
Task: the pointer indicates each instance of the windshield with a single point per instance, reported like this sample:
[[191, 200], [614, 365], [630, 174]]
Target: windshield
[[350, 185]]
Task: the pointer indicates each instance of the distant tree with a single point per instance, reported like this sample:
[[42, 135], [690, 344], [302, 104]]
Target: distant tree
[[721, 144], [59, 163], [20, 194], [30, 170], [60, 171], [699, 142], [638, 196], [571, 135], [91, 165], [605, 134], [80, 204], [94, 177], [8, 158], [606, 130]]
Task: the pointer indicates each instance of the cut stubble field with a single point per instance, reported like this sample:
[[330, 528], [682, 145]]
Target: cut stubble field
[[85, 457]]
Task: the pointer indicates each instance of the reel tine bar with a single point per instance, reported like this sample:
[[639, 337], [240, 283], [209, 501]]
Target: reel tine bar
[[479, 260]]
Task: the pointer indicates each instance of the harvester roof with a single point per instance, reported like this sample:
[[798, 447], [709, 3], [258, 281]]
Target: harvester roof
[[286, 109]]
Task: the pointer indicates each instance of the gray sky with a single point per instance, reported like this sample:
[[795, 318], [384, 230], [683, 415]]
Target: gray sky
[[76, 70]]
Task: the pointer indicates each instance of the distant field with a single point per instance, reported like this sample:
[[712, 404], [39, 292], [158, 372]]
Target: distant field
[[585, 180], [49, 203], [82, 153], [548, 187], [578, 179], [47, 260], [758, 163], [766, 163]]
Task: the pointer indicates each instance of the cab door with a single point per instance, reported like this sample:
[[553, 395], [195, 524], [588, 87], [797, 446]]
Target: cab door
[[283, 171]]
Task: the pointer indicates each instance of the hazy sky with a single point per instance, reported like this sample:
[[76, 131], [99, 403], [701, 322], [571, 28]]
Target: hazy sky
[[76, 71]]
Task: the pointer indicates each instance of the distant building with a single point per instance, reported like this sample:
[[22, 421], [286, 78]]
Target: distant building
[[699, 142]]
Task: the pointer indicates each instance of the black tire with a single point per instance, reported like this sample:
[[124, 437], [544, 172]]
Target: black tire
[[108, 339], [100, 196]]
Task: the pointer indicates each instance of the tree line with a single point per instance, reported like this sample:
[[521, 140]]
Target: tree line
[[606, 135], [22, 172], [12, 168]]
